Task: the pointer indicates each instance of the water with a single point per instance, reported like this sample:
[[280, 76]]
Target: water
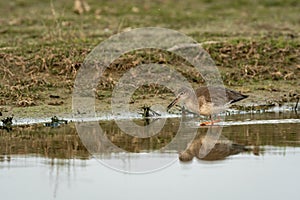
[[256, 156]]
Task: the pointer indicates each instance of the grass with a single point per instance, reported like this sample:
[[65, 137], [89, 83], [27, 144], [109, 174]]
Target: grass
[[43, 43]]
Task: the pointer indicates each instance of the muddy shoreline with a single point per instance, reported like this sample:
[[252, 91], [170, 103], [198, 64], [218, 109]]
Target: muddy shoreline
[[39, 59]]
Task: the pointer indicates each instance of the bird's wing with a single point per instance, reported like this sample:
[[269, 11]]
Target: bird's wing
[[218, 93]]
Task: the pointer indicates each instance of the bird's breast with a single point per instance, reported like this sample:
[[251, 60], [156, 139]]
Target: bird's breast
[[206, 109]]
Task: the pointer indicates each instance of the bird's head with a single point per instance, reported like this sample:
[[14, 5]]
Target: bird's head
[[183, 94]]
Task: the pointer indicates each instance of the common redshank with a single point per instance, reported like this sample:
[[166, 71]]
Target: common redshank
[[200, 101]]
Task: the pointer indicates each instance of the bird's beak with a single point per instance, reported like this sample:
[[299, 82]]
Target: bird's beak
[[172, 103]]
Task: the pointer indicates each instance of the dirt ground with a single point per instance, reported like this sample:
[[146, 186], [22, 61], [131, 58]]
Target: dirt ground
[[255, 45]]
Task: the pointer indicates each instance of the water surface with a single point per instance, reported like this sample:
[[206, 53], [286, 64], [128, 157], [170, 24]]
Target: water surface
[[258, 158]]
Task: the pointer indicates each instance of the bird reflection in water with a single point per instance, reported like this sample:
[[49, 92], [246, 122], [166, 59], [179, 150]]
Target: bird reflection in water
[[210, 145]]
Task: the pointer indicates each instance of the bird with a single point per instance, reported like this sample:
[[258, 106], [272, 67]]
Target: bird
[[199, 101]]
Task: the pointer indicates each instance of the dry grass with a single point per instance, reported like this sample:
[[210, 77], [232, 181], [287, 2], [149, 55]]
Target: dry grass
[[43, 43]]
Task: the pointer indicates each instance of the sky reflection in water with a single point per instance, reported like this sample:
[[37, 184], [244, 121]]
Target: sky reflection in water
[[36, 166]]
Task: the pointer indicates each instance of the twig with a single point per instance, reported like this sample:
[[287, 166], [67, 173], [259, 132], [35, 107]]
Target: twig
[[296, 106], [183, 46], [155, 113], [190, 45], [147, 110]]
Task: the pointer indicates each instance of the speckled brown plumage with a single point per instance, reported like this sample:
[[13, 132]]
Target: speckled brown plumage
[[207, 100]]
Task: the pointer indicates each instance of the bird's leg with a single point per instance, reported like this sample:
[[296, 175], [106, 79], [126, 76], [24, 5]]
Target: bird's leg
[[210, 117], [211, 122], [208, 122]]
